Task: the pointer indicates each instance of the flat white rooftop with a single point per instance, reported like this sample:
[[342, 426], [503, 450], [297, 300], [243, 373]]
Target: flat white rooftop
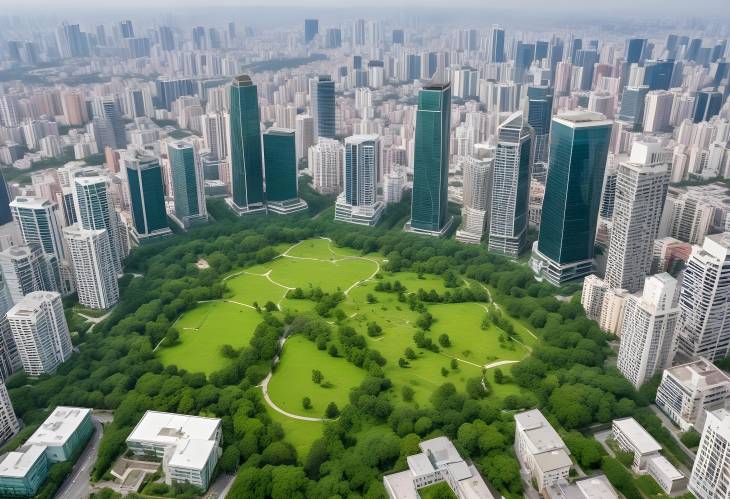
[[192, 454], [637, 435], [59, 426], [539, 431], [165, 428], [666, 468], [17, 464]]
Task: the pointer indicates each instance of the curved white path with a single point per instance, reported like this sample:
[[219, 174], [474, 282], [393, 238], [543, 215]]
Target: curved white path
[[500, 363]]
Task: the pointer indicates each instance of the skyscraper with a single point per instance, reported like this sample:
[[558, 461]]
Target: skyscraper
[[95, 210], [358, 32], [6, 215], [658, 74], [707, 104], [511, 187], [358, 201], [26, 269], [187, 184], [710, 478], [311, 28], [37, 223], [280, 165], [647, 330], [703, 328], [216, 135], [326, 162], [496, 45], [641, 186], [429, 208], [635, 50], [477, 190], [246, 159], [304, 135], [578, 150], [539, 113], [40, 332], [632, 106], [658, 111], [146, 195], [171, 89], [322, 103], [9, 425], [96, 276], [108, 119]]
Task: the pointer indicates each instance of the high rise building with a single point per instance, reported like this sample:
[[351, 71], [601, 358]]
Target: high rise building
[[6, 215], [477, 188], [146, 195], [326, 162], [187, 184], [93, 262], [216, 135], [707, 104], [304, 135], [26, 269], [635, 50], [511, 187], [311, 29], [171, 89], [108, 116], [592, 296], [710, 478], [322, 103], [632, 106], [358, 202], [37, 222], [496, 45], [578, 149], [280, 165], [9, 425], [658, 74], [647, 330], [40, 332], [95, 210], [247, 170], [703, 328], [658, 111], [539, 113], [429, 210], [398, 37], [641, 186], [358, 32]]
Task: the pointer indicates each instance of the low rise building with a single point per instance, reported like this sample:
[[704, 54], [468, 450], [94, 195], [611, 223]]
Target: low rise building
[[189, 446], [63, 433], [22, 472], [669, 478], [540, 449], [439, 461], [593, 487], [688, 390]]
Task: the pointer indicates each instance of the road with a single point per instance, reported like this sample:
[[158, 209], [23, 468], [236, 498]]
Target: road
[[219, 489], [77, 484]]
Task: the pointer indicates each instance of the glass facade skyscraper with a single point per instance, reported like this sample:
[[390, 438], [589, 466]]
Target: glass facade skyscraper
[[280, 162], [322, 100], [187, 184], [311, 28], [358, 202], [578, 150], [632, 106], [146, 195], [429, 209], [246, 160]]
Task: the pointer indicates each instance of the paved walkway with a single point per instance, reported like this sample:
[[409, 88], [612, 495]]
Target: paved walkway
[[500, 363]]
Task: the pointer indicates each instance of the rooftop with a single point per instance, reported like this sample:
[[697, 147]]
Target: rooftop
[[242, 81], [165, 428], [31, 202], [553, 460], [582, 119], [699, 374], [17, 464], [594, 487], [192, 454], [59, 426], [637, 435], [668, 470], [539, 431]]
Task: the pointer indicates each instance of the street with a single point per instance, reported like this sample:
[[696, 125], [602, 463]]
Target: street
[[77, 484], [220, 487]]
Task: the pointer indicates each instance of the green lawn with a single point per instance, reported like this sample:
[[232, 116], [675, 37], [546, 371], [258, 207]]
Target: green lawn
[[250, 288], [330, 276], [202, 332], [292, 379], [313, 248], [301, 434]]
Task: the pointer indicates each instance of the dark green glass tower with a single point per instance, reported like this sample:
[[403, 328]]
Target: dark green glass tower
[[429, 206], [247, 175], [280, 158], [578, 150], [147, 195]]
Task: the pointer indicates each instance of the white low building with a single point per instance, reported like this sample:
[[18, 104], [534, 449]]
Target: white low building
[[688, 390], [540, 449], [189, 446], [438, 462], [592, 487]]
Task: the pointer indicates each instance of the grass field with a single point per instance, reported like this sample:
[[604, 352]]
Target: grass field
[[292, 379], [204, 329], [250, 288], [301, 434]]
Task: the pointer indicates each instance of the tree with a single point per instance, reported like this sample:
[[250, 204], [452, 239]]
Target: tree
[[229, 459], [270, 306], [172, 337], [402, 362], [444, 372], [444, 340], [332, 350], [317, 376], [690, 438], [407, 393], [425, 321], [498, 376], [371, 298], [454, 364], [410, 353], [307, 403], [374, 329], [332, 411]]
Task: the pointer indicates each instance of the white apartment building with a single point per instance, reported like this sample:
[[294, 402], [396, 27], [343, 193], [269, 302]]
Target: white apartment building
[[326, 160], [189, 446], [703, 327], [691, 212], [393, 184], [592, 487], [540, 449], [647, 329], [26, 269], [710, 478], [40, 332], [9, 425], [93, 262], [592, 296], [37, 222], [477, 193], [358, 202], [687, 391], [641, 184]]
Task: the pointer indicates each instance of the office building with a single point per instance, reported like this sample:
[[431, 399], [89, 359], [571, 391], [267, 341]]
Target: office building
[[280, 164], [189, 446], [496, 45], [93, 263], [632, 106], [539, 113], [429, 203], [40, 332], [146, 196], [326, 163], [64, 432], [438, 462], [540, 449], [578, 150], [247, 170], [358, 203], [108, 119], [511, 187], [311, 29], [187, 184], [477, 193], [592, 487], [171, 89], [26, 269], [95, 210], [322, 105], [687, 391], [641, 186], [9, 424], [658, 111], [710, 478], [647, 330], [702, 328], [23, 471], [37, 222], [707, 104]]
